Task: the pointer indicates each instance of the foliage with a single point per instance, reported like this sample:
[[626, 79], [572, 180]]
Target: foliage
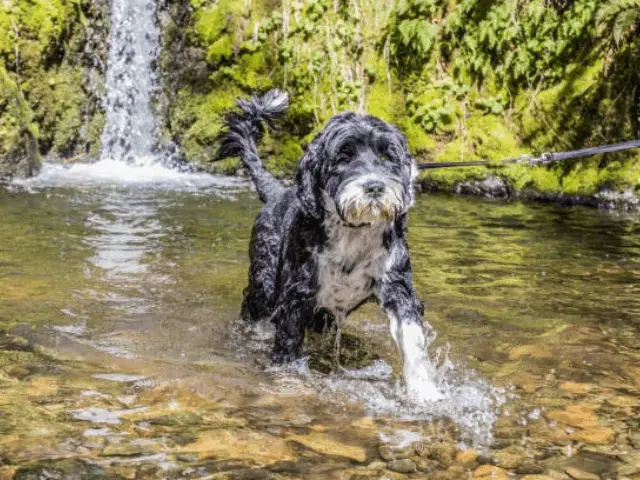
[[462, 78], [559, 78], [42, 43]]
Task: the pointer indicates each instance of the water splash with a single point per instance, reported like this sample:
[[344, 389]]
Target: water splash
[[131, 128], [470, 402]]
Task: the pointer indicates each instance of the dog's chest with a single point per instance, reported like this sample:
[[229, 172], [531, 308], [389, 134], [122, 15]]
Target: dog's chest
[[349, 266]]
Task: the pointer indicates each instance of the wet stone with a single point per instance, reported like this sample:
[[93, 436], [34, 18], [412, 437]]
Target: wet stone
[[490, 471], [632, 464], [389, 475], [529, 467], [240, 445], [388, 453], [361, 475], [484, 459], [577, 474], [594, 435], [634, 438], [376, 465], [123, 450], [325, 445], [425, 465], [443, 454], [556, 475], [466, 456], [576, 388], [580, 416], [63, 470], [509, 458], [402, 466], [245, 474], [183, 419]]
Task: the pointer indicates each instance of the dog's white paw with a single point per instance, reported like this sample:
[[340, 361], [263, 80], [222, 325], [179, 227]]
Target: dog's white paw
[[421, 387]]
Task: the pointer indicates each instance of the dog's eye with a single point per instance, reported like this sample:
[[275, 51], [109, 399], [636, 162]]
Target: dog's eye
[[342, 158], [385, 157]]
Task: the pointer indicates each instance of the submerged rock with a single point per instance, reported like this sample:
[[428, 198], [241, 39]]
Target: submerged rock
[[578, 474], [402, 466], [326, 445], [67, 469], [261, 448]]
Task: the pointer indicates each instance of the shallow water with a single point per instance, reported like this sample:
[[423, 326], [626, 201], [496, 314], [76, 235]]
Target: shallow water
[[121, 291]]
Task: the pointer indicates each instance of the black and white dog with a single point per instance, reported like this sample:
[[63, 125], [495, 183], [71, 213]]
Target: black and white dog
[[337, 238]]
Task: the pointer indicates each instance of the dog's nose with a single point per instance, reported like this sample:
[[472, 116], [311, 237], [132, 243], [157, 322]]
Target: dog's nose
[[374, 188]]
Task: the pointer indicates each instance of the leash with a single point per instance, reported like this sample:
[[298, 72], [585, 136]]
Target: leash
[[544, 159]]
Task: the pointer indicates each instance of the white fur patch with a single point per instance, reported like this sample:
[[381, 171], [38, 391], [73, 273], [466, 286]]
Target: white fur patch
[[359, 208], [352, 259], [418, 372]]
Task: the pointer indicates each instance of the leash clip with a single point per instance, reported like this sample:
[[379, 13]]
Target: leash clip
[[546, 158], [526, 158]]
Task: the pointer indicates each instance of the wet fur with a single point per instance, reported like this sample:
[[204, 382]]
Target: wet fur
[[312, 260]]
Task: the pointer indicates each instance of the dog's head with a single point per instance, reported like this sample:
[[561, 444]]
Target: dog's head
[[358, 168]]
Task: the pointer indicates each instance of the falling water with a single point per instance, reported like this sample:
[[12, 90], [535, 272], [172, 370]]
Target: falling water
[[130, 131]]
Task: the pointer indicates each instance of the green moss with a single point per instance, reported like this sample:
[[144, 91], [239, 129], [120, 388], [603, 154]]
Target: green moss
[[385, 98], [582, 179], [463, 96], [420, 143], [42, 48], [552, 117], [18, 135], [213, 19], [492, 138], [221, 49], [198, 118], [56, 99]]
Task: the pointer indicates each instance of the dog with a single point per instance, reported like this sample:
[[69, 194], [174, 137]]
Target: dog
[[337, 238]]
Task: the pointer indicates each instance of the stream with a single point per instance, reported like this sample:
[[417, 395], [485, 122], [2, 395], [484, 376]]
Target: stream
[[122, 354]]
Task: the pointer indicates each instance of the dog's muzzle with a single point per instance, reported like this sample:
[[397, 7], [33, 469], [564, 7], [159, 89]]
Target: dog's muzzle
[[370, 199]]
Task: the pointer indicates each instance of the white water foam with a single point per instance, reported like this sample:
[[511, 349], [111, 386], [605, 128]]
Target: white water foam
[[467, 400], [112, 173]]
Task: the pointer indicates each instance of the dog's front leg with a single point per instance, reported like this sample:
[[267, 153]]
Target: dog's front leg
[[292, 313], [400, 302]]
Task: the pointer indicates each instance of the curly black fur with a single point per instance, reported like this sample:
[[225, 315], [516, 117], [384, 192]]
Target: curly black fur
[[337, 238]]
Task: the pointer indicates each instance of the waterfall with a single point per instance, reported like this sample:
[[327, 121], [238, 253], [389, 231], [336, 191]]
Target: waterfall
[[130, 132]]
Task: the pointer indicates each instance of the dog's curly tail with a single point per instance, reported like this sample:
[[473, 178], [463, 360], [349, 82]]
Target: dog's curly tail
[[243, 129]]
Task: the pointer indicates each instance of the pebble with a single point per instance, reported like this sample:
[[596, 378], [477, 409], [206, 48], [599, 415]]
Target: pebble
[[509, 458], [466, 456], [634, 438], [575, 387], [402, 466], [326, 445], [530, 467], [388, 453], [594, 435], [581, 416], [578, 474], [376, 465], [389, 475], [490, 471]]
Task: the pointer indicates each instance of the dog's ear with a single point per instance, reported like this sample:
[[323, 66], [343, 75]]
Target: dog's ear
[[308, 191]]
